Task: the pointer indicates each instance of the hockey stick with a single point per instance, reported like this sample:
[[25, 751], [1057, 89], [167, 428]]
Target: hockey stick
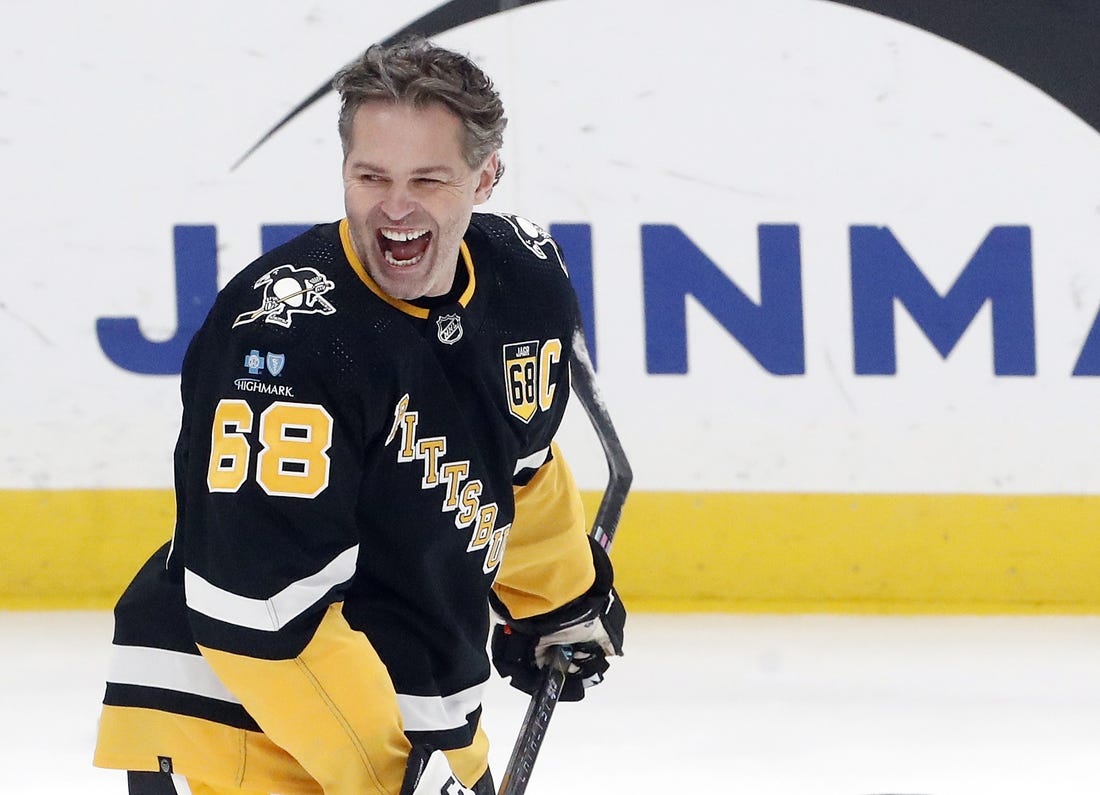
[[533, 728]]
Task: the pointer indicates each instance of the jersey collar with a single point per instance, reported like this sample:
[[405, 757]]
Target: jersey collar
[[397, 303]]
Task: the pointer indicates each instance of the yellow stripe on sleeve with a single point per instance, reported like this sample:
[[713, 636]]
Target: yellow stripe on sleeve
[[548, 561]]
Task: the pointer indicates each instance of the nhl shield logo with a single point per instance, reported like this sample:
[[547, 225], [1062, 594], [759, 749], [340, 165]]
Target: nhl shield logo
[[449, 329], [521, 367]]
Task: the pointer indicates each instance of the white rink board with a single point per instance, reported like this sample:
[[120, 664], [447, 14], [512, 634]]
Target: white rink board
[[120, 122]]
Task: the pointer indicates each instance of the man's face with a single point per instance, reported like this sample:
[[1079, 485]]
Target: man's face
[[408, 194]]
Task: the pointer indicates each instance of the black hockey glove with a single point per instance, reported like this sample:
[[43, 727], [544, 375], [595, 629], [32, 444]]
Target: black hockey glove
[[592, 624]]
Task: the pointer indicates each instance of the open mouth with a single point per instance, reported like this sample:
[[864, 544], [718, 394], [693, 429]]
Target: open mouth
[[403, 248]]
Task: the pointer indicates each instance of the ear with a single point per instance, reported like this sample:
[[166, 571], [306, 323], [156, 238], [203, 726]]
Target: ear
[[486, 178]]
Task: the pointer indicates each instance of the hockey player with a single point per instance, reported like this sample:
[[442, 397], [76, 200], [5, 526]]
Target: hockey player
[[366, 457]]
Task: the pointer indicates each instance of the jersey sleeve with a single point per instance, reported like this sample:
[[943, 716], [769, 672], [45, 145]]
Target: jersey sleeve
[[267, 483], [547, 561]]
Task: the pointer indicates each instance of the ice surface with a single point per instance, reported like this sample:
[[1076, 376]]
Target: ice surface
[[768, 705]]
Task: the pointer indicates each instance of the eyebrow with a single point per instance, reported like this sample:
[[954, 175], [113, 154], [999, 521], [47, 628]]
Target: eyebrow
[[366, 166]]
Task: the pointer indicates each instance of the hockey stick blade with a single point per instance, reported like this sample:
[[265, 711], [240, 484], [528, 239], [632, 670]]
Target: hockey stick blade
[[535, 723]]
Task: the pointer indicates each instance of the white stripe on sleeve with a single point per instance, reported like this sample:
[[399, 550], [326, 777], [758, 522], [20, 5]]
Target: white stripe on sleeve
[[533, 461], [269, 615], [167, 670], [437, 713]]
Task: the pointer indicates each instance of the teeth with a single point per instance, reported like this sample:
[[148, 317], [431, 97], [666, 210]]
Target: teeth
[[400, 263], [403, 235]]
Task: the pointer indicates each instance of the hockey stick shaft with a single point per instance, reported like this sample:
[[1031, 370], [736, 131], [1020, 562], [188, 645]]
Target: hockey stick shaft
[[535, 723], [541, 709], [620, 476]]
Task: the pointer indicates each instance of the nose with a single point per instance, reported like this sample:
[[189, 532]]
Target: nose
[[397, 203]]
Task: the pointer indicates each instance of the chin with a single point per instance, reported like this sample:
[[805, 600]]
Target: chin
[[405, 289]]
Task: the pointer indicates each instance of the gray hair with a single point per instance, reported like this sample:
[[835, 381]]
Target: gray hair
[[419, 73]]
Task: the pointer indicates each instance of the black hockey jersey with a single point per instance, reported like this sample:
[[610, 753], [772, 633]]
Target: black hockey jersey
[[350, 471]]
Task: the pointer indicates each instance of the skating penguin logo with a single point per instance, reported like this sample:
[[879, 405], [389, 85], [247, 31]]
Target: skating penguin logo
[[289, 291], [533, 237]]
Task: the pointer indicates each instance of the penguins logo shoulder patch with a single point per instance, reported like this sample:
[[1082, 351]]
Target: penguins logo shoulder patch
[[287, 291], [533, 237]]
